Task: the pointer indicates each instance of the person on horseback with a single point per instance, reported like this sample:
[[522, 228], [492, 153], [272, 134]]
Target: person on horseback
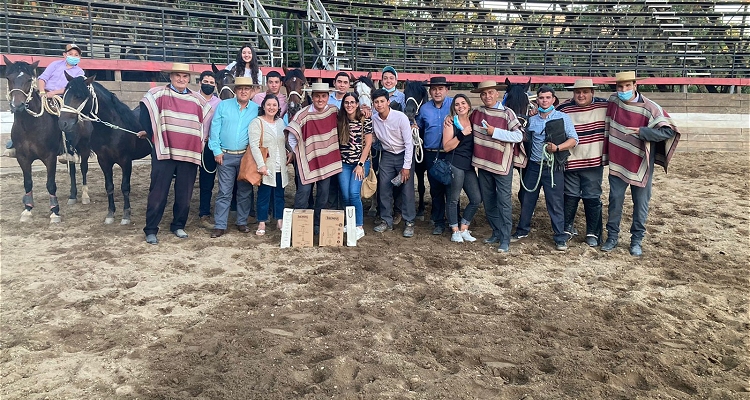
[[174, 117], [388, 81], [430, 121], [273, 86], [207, 174], [52, 82]]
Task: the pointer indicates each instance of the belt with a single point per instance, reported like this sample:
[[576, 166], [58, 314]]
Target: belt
[[237, 152], [435, 150]]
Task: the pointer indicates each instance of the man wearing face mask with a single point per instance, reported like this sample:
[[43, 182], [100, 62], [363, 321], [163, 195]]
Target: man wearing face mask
[[544, 170], [641, 135], [207, 171]]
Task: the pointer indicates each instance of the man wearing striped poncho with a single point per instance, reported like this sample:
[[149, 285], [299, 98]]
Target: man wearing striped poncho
[[583, 172], [640, 135], [313, 137]]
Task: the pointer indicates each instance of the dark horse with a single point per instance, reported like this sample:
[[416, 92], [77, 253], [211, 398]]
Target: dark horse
[[224, 81], [36, 136], [517, 98], [416, 95], [112, 145], [295, 83]]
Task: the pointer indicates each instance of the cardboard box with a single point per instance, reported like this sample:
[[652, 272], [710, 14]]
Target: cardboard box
[[331, 228], [302, 228], [286, 228]]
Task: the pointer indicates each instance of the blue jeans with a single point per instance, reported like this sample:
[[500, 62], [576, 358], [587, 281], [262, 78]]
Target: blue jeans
[[466, 180], [438, 191], [498, 203], [553, 196], [227, 173], [390, 167], [350, 188], [641, 197], [264, 200]]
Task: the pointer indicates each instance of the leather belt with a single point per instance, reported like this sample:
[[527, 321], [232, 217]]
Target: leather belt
[[435, 150], [236, 152]]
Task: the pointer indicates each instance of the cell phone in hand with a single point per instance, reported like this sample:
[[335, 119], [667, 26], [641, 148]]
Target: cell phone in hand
[[485, 124], [396, 181]]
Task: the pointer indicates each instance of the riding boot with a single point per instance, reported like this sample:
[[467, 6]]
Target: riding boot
[[570, 209], [593, 210]]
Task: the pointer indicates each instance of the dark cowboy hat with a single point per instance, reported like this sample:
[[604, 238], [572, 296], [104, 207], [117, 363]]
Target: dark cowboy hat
[[438, 81]]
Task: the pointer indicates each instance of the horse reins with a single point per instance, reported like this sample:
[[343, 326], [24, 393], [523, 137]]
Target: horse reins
[[418, 142], [28, 98], [226, 87]]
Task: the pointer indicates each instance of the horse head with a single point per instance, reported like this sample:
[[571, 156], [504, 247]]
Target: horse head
[[21, 78], [518, 98], [416, 95], [78, 106], [224, 81], [295, 82], [363, 87]]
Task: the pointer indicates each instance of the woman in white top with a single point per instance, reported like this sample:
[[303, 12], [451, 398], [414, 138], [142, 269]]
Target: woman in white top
[[273, 169], [247, 65]]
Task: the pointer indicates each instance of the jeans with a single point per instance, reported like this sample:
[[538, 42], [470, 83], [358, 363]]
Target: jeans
[[265, 192], [498, 203], [554, 197], [466, 180], [641, 197], [350, 188], [227, 173], [391, 166], [438, 191]]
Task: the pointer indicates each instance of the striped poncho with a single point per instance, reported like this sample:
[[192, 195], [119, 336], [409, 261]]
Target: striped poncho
[[628, 154], [589, 123], [177, 122], [317, 152], [490, 154]]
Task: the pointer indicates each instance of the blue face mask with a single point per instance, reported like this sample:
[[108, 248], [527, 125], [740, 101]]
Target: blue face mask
[[391, 90], [546, 110], [456, 123], [625, 96], [72, 60]]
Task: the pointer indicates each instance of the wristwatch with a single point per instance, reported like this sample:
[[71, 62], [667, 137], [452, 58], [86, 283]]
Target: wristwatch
[[360, 164]]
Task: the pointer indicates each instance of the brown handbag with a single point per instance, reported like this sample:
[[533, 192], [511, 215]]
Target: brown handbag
[[248, 167]]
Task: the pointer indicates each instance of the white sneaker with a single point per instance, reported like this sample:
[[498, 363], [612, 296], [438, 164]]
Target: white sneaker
[[360, 232], [456, 237], [466, 235]]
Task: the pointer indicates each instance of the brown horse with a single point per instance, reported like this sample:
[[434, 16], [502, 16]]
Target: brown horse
[[36, 136], [295, 83], [110, 125], [224, 81]]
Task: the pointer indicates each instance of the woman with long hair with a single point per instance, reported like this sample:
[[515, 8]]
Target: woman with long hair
[[270, 128], [458, 144], [355, 140], [246, 64]]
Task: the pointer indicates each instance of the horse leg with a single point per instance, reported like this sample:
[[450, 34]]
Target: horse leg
[[28, 185], [127, 168], [54, 206], [73, 187], [420, 170], [109, 186], [85, 199]]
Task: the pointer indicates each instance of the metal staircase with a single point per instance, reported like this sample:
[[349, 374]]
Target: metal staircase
[[272, 34], [325, 36], [679, 37]]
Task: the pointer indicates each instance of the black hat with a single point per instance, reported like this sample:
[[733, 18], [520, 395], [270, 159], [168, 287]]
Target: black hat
[[438, 81]]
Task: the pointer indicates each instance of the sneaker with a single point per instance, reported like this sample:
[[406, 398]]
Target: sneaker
[[561, 246], [151, 239], [206, 222], [592, 240], [180, 233], [397, 219], [517, 236], [9, 144], [409, 230], [456, 237], [383, 227], [503, 248], [635, 249], [360, 232], [438, 230], [467, 236], [571, 230], [609, 244]]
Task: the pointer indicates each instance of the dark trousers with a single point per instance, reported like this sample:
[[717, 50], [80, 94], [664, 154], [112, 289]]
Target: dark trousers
[[207, 181], [302, 196], [390, 167], [553, 196], [162, 172], [438, 191], [498, 203]]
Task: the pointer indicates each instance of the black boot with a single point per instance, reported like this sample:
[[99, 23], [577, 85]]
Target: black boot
[[593, 210], [570, 209]]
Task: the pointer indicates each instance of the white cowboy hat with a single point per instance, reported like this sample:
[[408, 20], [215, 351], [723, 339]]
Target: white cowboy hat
[[625, 77], [179, 68], [486, 85], [582, 84], [319, 87]]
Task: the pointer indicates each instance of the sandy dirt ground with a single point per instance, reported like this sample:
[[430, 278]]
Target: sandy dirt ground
[[90, 311]]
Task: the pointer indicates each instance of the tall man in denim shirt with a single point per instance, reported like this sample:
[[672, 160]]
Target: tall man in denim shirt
[[553, 190], [228, 141], [430, 122]]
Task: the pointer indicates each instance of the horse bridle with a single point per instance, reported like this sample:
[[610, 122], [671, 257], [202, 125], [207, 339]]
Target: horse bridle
[[92, 114], [415, 103], [28, 96], [226, 87]]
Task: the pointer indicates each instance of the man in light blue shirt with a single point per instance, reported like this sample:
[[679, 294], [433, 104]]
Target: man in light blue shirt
[[545, 168], [430, 122], [228, 141]]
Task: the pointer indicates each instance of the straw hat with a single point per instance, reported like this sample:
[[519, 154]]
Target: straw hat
[[243, 81], [179, 68], [626, 76], [319, 87], [582, 84], [486, 85]]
